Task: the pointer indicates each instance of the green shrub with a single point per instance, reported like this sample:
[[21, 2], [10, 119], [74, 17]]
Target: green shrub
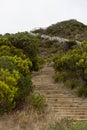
[[18, 56], [79, 126], [60, 76], [8, 89], [29, 45], [11, 63], [6, 50], [7, 95], [82, 91], [69, 45], [74, 65], [72, 83], [16, 66], [4, 41], [67, 125], [62, 125], [37, 101], [25, 87], [49, 43], [41, 60]]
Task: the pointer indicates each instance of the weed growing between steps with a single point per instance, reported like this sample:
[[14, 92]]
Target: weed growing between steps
[[37, 101], [66, 124]]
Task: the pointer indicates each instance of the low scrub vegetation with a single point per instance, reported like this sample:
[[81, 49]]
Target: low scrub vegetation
[[71, 68], [37, 101], [64, 124], [71, 29], [67, 29], [18, 57]]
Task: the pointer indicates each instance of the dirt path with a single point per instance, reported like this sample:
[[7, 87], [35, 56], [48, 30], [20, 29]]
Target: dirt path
[[60, 101]]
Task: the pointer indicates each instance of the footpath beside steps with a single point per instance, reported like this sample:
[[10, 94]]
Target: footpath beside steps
[[60, 100]]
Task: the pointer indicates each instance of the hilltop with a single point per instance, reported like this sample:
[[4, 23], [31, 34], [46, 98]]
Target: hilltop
[[70, 29]]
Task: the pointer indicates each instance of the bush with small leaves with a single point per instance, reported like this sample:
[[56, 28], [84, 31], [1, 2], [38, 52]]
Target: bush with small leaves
[[23, 84], [28, 44], [37, 101], [79, 126], [4, 41], [82, 91], [62, 125], [74, 63], [22, 65], [18, 57], [8, 89]]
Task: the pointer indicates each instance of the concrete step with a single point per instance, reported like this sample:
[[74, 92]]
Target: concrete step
[[81, 110], [65, 98], [73, 117], [68, 105], [61, 102]]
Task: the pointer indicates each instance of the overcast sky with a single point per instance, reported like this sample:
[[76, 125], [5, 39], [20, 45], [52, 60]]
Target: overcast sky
[[25, 15]]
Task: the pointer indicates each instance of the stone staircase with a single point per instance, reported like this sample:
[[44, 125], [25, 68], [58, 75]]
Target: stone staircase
[[60, 101]]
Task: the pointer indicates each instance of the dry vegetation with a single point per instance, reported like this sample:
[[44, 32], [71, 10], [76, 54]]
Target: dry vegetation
[[26, 120]]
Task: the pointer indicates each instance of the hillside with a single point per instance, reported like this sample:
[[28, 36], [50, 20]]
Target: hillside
[[43, 78], [70, 29]]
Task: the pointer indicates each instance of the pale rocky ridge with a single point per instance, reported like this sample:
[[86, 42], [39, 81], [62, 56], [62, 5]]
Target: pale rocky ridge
[[59, 39]]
